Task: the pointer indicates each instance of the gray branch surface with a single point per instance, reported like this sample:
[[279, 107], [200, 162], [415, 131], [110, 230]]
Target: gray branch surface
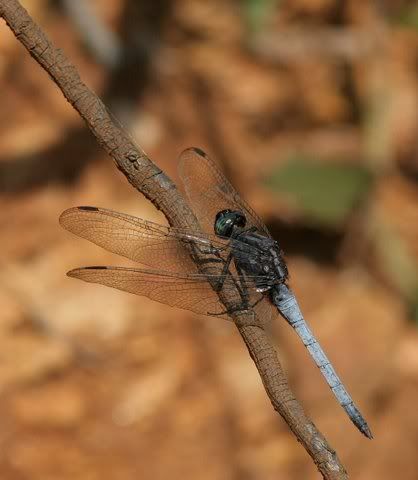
[[148, 179]]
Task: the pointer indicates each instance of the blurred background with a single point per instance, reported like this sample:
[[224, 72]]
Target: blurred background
[[311, 108]]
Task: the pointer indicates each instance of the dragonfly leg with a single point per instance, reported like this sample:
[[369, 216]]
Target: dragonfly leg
[[241, 288], [239, 322], [203, 261], [257, 301], [220, 283], [227, 312], [242, 294]]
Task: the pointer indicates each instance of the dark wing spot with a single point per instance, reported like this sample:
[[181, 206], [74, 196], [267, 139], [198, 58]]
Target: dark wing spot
[[199, 151], [93, 209]]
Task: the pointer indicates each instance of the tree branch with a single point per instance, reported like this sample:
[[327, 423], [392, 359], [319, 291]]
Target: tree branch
[[148, 179]]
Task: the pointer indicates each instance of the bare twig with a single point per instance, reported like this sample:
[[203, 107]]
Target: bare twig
[[157, 187]]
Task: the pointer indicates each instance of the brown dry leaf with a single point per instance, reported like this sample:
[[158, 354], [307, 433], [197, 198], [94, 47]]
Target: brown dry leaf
[[53, 406]]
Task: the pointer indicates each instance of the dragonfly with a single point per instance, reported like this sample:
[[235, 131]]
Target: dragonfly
[[233, 257]]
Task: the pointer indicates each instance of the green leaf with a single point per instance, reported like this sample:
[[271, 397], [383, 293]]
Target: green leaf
[[325, 192], [395, 258], [257, 12], [408, 17]]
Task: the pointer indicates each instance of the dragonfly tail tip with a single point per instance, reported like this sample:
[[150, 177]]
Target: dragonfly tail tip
[[365, 430]]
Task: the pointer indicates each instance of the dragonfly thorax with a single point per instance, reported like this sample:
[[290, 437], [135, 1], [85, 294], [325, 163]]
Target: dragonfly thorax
[[259, 256], [228, 221]]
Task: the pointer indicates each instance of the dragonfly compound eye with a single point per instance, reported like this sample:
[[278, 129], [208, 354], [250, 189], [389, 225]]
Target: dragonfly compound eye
[[226, 220]]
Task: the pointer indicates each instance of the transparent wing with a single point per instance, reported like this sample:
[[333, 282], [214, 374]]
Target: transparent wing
[[145, 242], [190, 292], [177, 281], [209, 191], [139, 240]]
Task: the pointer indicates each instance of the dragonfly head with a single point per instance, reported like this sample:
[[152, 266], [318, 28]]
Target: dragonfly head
[[227, 220]]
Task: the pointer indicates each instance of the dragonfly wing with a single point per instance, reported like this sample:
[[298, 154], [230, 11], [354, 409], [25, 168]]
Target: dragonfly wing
[[209, 191], [190, 292], [139, 240]]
